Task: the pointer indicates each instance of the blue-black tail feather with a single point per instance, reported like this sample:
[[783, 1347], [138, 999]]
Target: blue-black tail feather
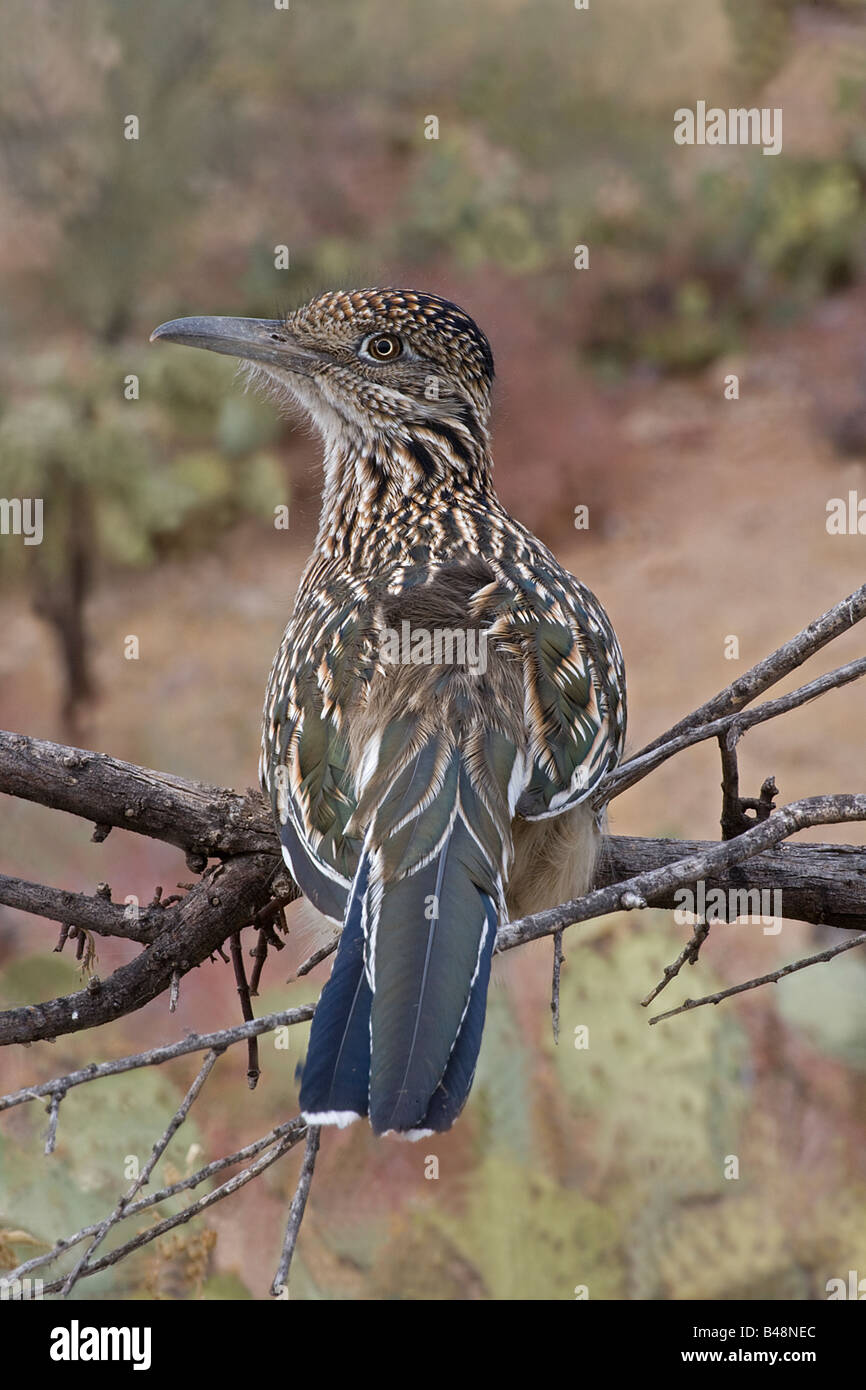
[[336, 1076], [452, 1092], [424, 942], [398, 1028]]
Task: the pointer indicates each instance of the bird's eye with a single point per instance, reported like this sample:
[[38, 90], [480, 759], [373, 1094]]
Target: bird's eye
[[384, 347]]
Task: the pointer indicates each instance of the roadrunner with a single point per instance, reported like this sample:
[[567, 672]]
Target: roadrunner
[[445, 698]]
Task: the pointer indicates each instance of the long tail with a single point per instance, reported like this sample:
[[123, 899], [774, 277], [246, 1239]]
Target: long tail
[[397, 1031]]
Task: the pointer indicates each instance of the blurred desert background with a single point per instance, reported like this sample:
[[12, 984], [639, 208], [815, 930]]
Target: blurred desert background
[[306, 128]]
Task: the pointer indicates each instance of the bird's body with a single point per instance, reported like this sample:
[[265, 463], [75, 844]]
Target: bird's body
[[445, 698]]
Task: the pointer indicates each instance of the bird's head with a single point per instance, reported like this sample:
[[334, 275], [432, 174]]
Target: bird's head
[[371, 363]]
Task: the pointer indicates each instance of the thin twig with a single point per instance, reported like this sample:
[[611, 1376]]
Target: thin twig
[[292, 1128], [732, 818], [208, 1200], [693, 729], [296, 1211], [273, 908], [317, 957], [689, 953], [773, 976], [259, 954], [53, 1117], [196, 1042], [253, 1072], [143, 1178], [554, 990]]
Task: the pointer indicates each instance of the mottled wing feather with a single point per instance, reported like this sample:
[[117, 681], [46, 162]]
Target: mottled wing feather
[[574, 679], [305, 753]]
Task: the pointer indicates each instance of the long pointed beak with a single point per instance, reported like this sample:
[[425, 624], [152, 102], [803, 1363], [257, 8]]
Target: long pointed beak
[[256, 340]]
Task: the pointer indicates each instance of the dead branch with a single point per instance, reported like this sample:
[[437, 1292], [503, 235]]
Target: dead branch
[[294, 1129], [688, 955], [253, 1072], [774, 975], [155, 1057], [716, 715], [95, 913], [159, 1148], [819, 883], [643, 889], [215, 908], [227, 1189], [296, 1211], [204, 821], [635, 769]]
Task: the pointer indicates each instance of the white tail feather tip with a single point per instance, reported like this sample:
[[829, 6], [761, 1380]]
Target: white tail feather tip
[[340, 1118]]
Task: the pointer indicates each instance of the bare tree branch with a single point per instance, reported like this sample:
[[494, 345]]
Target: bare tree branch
[[97, 914], [689, 732], [216, 907], [296, 1211], [555, 981], [294, 1129], [689, 954], [639, 891], [227, 1189], [819, 883], [205, 821], [317, 957], [53, 1118], [771, 978], [196, 1042], [143, 1178]]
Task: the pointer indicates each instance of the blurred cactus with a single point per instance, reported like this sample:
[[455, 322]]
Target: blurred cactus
[[104, 1130], [762, 35], [124, 482]]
